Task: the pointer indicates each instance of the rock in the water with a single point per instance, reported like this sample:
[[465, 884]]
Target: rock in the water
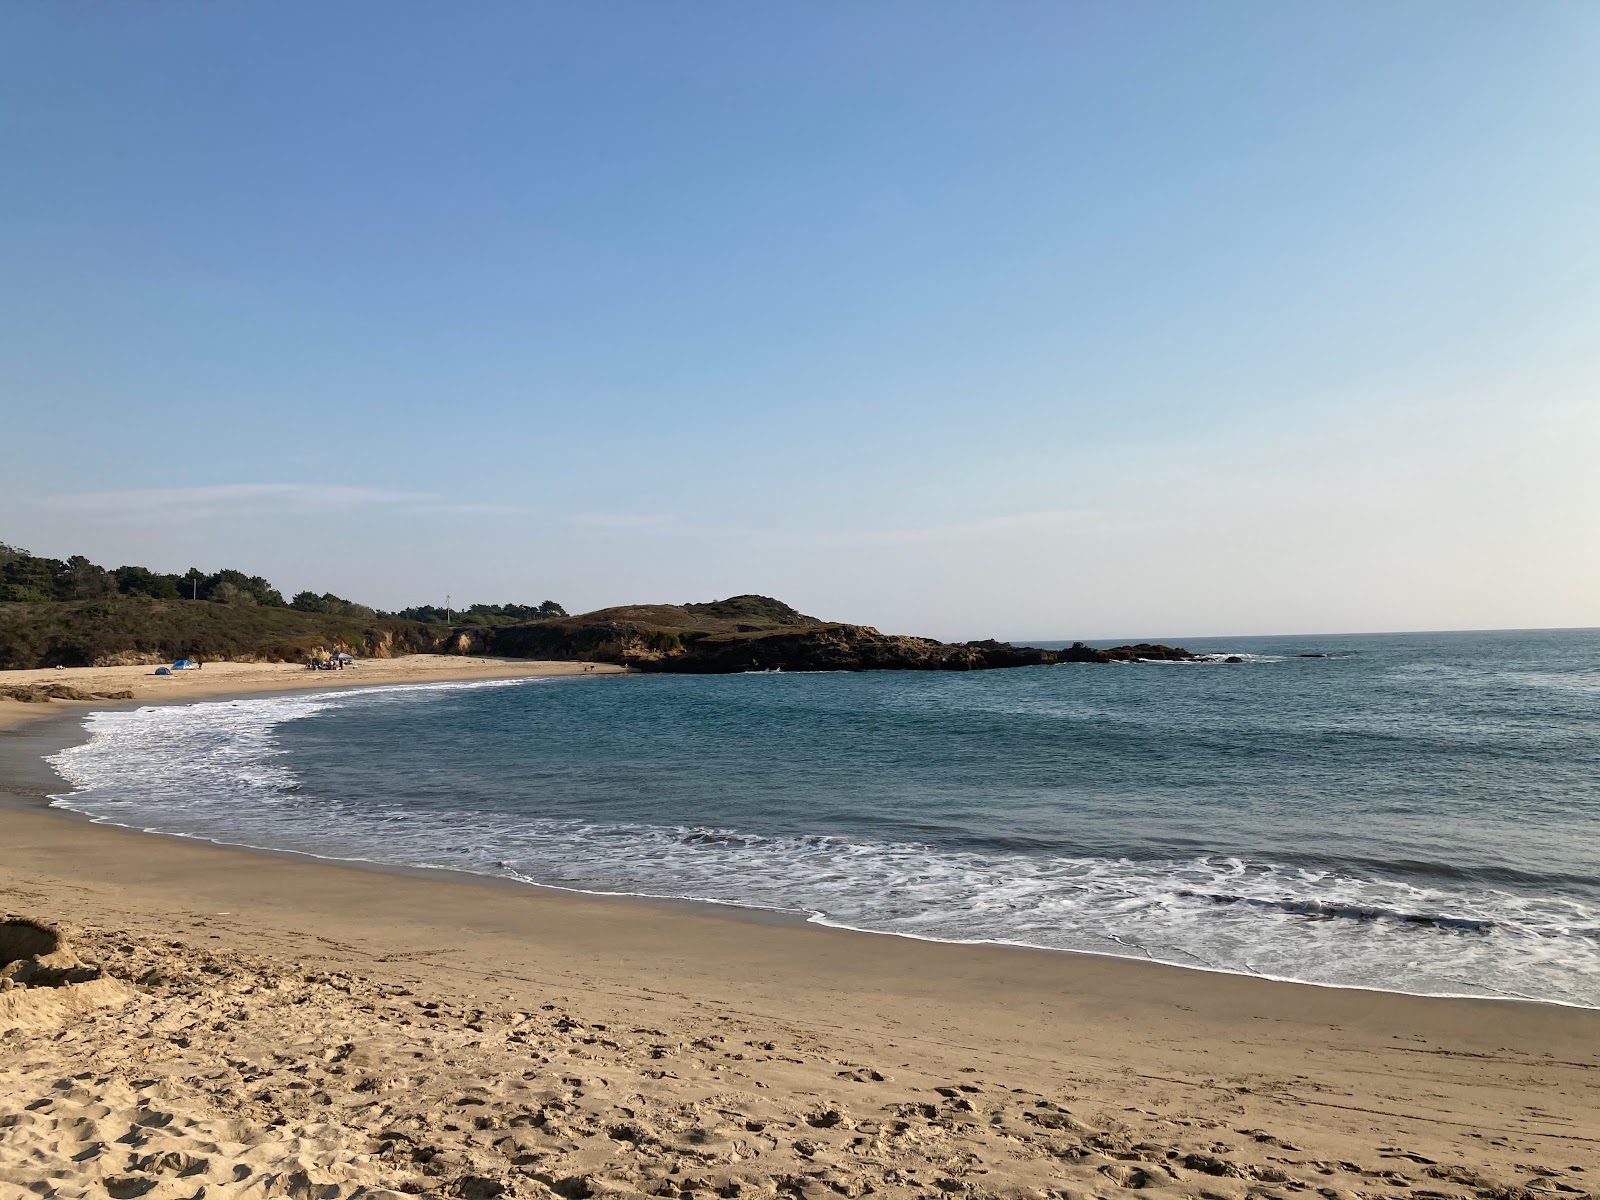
[[1140, 652], [841, 648]]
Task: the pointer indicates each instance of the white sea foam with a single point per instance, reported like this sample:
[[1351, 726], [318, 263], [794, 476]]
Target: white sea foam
[[219, 771]]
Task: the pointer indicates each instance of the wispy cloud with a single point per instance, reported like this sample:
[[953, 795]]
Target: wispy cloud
[[247, 499]]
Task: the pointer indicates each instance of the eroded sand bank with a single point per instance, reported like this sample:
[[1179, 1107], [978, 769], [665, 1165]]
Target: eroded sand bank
[[299, 1027]]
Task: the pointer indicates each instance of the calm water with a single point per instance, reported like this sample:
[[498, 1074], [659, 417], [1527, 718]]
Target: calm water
[[1417, 812]]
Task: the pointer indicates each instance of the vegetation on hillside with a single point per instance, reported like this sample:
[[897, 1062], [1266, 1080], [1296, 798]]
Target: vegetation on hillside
[[754, 612], [633, 634], [481, 614], [329, 603], [72, 612], [141, 629], [31, 579]]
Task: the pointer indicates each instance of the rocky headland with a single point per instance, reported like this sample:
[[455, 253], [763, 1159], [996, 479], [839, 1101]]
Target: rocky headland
[[741, 633], [758, 633], [862, 648]]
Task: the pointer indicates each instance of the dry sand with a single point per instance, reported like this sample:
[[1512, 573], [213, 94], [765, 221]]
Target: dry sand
[[281, 1026]]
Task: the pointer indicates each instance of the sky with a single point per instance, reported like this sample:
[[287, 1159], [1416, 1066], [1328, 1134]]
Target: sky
[[1032, 320]]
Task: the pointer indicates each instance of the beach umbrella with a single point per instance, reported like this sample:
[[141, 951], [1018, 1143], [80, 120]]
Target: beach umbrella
[[342, 654]]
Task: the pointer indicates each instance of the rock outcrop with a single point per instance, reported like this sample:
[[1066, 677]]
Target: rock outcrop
[[43, 693], [758, 633], [862, 648], [635, 634], [840, 648], [1141, 652]]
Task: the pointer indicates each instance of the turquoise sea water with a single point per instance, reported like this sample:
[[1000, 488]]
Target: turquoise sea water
[[1413, 812]]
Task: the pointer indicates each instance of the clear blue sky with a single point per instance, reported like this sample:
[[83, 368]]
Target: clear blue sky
[[1038, 320]]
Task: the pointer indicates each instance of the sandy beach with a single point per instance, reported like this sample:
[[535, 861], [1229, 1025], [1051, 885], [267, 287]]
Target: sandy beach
[[243, 678], [274, 1025]]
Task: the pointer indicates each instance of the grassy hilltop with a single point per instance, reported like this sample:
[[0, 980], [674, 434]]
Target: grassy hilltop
[[638, 634]]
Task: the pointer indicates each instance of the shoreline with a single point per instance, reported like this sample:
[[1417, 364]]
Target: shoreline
[[63, 738], [71, 732], [1339, 1088]]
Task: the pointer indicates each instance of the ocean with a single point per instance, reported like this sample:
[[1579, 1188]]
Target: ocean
[[1412, 812]]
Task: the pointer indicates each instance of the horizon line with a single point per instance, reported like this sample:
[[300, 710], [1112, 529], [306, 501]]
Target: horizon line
[[1212, 637]]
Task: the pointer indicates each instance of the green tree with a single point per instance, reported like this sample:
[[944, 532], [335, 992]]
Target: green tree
[[329, 603], [142, 581], [228, 592], [27, 578], [230, 587], [421, 612], [82, 580]]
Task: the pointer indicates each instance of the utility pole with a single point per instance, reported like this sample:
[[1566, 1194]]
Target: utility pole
[[447, 608]]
